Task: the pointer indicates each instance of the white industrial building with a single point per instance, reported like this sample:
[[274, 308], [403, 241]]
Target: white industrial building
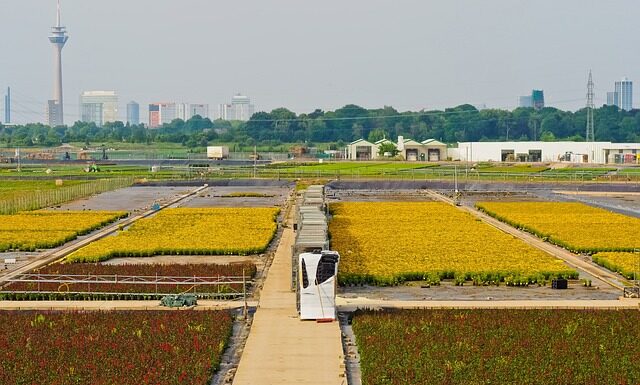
[[409, 149], [575, 152]]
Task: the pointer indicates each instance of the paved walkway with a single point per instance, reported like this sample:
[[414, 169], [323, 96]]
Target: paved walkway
[[281, 349]]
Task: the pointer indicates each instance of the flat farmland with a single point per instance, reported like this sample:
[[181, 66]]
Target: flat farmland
[[387, 243], [29, 231], [529, 347], [188, 231], [104, 348], [574, 226], [124, 289]]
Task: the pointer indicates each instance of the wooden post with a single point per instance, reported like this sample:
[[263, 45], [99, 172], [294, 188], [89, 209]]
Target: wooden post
[[244, 295]]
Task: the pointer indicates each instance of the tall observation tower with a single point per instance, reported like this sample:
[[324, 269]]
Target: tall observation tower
[[58, 38]]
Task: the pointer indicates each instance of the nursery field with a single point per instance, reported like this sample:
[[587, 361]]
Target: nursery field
[[386, 243], [16, 188], [104, 348], [626, 264], [123, 272], [574, 226], [29, 231], [188, 231], [528, 347]]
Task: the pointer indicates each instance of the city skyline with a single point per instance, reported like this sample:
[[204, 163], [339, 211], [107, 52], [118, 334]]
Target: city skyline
[[418, 71]]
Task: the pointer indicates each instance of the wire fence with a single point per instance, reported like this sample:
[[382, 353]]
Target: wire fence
[[35, 200]]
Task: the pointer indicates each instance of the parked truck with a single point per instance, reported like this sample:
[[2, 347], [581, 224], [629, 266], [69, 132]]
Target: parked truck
[[218, 152]]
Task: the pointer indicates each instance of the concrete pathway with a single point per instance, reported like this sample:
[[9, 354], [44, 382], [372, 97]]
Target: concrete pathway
[[281, 349]]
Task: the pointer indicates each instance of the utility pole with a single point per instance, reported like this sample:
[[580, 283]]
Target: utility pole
[[255, 161], [590, 136]]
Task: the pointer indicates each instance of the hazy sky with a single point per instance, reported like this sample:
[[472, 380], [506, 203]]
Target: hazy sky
[[411, 54]]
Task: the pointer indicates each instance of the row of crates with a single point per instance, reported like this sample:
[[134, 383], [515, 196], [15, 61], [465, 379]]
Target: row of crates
[[312, 232]]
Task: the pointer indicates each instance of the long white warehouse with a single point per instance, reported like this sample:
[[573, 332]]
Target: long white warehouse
[[575, 152]]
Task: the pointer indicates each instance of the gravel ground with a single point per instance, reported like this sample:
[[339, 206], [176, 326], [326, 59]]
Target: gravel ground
[[447, 292]]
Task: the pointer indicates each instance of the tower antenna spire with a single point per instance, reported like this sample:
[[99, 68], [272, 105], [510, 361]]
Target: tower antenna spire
[[58, 19], [590, 136]]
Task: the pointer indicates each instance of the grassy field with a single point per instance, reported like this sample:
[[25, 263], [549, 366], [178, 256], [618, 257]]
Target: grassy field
[[13, 188], [482, 347]]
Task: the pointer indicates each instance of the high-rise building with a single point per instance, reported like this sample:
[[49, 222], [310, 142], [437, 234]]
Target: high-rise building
[[162, 113], [537, 99], [133, 113], [199, 109], [154, 115], [239, 109], [624, 97], [526, 102], [187, 111], [99, 107], [58, 38], [7, 106]]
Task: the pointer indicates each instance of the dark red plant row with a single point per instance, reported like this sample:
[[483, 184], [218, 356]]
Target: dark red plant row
[[525, 347], [172, 270], [105, 348]]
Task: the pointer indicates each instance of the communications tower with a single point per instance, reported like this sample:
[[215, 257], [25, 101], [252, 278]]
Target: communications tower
[[58, 38]]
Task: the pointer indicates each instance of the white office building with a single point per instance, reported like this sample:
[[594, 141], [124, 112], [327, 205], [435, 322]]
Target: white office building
[[624, 94], [99, 107], [239, 109], [574, 152]]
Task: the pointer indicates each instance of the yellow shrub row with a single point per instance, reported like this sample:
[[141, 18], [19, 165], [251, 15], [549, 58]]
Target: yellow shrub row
[[389, 242], [574, 226], [188, 231], [29, 231], [626, 264]]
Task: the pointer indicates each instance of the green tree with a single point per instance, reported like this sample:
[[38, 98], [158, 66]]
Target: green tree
[[387, 147]]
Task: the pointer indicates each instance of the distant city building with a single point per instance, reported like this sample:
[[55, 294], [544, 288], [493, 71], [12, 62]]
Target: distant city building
[[624, 94], [99, 107], [154, 115], [537, 99], [622, 97], [54, 113], [199, 109], [182, 111], [133, 113], [525, 102], [7, 106], [58, 38], [239, 109], [162, 113]]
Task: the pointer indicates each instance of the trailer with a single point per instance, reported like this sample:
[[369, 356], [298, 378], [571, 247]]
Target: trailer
[[218, 152]]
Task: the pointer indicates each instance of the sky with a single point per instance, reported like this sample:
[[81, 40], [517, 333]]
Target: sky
[[303, 55]]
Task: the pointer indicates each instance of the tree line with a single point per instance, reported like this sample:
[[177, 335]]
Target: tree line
[[458, 124]]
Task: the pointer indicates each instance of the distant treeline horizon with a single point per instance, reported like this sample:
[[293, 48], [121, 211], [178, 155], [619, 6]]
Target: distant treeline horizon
[[463, 123]]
